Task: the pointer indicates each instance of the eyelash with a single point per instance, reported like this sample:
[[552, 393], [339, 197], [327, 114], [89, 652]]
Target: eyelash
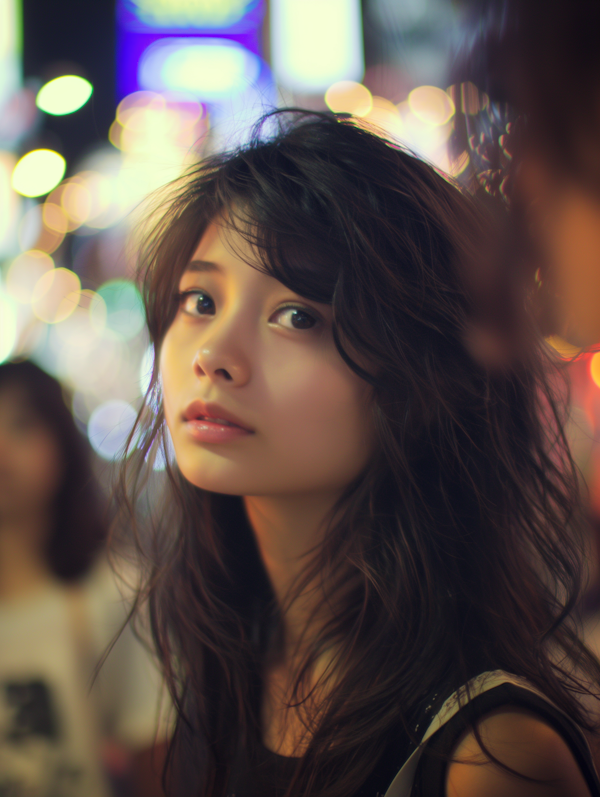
[[181, 296]]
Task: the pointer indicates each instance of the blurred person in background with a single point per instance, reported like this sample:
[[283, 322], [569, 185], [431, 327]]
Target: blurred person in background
[[59, 609], [539, 64], [350, 561]]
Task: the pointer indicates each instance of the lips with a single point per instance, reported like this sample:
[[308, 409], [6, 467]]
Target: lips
[[207, 411]]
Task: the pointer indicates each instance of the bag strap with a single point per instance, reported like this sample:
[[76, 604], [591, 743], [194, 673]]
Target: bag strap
[[402, 784]]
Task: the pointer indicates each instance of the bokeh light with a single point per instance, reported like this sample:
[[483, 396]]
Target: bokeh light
[[384, 118], [42, 227], [431, 105], [55, 295], [24, 273], [38, 172], [468, 98], [82, 198], [182, 13], [347, 96], [109, 427], [76, 202], [210, 69], [565, 349], [459, 164], [9, 202], [64, 95], [146, 368], [101, 367], [157, 136], [316, 43], [97, 311], [125, 308], [100, 192], [157, 453], [54, 218], [30, 227], [595, 368], [8, 326], [85, 324], [428, 141], [148, 123]]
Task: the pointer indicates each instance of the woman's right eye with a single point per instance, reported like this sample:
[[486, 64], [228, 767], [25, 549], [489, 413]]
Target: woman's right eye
[[196, 303]]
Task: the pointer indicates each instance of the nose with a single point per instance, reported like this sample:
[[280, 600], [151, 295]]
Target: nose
[[222, 358]]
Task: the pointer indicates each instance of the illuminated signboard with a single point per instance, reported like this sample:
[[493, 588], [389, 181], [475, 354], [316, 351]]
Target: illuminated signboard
[[171, 15], [315, 43], [208, 48]]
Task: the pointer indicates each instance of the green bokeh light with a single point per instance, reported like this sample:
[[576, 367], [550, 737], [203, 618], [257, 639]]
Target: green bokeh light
[[125, 309]]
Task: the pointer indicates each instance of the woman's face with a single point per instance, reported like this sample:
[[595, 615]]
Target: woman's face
[[31, 462], [260, 355]]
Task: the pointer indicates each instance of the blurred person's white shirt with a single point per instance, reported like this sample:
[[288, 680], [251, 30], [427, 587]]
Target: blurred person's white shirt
[[52, 728]]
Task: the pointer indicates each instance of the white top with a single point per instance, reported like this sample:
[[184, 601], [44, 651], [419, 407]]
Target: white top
[[50, 724]]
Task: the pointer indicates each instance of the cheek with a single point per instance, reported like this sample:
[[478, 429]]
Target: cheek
[[170, 373], [321, 414]]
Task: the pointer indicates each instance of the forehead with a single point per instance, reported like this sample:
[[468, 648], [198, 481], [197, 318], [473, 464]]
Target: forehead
[[222, 250], [223, 242]]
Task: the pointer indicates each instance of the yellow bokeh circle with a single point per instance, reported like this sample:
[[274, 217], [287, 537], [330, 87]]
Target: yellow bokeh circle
[[431, 105], [347, 96], [24, 273], [54, 295], [38, 172]]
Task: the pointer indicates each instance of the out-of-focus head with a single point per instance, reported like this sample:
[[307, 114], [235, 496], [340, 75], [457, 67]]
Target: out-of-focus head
[[543, 60], [45, 468], [369, 247], [31, 458]]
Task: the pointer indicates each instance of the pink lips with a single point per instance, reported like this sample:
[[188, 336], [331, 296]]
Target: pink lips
[[211, 423]]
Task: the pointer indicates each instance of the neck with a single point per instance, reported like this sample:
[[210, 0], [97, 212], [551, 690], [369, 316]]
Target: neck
[[288, 530], [23, 566]]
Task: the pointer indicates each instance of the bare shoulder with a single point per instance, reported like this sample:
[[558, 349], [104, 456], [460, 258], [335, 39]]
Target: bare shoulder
[[526, 744]]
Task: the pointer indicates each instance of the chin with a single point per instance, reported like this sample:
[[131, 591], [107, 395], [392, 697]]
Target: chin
[[214, 479]]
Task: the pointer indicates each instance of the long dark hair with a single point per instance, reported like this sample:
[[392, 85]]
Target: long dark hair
[[80, 521], [460, 537]]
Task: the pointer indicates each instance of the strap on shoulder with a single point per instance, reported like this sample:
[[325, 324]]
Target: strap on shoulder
[[402, 784]]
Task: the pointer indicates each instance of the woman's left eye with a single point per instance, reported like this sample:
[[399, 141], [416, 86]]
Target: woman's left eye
[[298, 318]]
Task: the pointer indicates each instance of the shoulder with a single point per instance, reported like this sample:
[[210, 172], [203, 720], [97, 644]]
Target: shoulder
[[523, 742]]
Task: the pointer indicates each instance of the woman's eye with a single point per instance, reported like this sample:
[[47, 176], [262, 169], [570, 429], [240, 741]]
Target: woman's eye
[[297, 318], [196, 303]]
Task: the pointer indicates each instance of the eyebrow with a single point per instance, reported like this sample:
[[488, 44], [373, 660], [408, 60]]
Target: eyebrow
[[202, 266]]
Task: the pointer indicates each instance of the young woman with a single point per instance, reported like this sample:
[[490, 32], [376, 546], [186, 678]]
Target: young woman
[[364, 519]]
